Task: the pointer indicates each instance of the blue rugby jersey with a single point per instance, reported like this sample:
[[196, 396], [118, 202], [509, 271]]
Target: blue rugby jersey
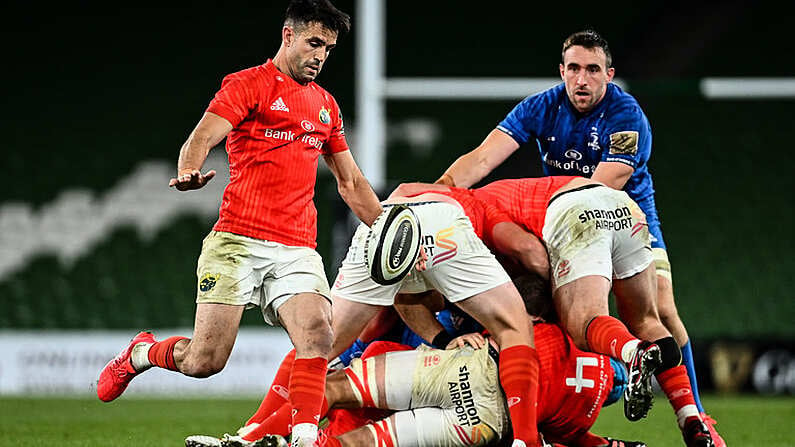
[[572, 143]]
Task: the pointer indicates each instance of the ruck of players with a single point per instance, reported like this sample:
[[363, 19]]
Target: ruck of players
[[459, 316]]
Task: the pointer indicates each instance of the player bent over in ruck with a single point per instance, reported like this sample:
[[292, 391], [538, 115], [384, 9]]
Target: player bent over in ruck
[[598, 240]]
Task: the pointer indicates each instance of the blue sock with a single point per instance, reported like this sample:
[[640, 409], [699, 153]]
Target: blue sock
[[687, 360]]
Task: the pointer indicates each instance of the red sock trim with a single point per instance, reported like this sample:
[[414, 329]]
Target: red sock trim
[[676, 385], [278, 393], [161, 353], [519, 379], [307, 387], [607, 335]]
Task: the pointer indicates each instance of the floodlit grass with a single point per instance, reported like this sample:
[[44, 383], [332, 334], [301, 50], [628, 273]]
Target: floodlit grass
[[743, 420]]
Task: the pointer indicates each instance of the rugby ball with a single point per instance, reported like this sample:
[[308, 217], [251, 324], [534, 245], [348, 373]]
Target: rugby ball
[[392, 245]]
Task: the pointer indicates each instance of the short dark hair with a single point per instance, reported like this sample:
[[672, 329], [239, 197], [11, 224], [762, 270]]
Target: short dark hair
[[537, 295], [588, 39], [304, 12]]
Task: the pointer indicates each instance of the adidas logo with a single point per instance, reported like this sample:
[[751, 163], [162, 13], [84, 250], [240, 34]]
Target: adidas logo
[[280, 105]]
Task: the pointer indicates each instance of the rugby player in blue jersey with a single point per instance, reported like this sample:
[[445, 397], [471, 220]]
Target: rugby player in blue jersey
[[588, 126]]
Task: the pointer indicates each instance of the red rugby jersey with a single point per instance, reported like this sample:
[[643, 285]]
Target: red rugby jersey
[[573, 385], [280, 129], [525, 200]]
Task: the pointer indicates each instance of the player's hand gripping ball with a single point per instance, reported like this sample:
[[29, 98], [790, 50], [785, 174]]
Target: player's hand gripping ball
[[393, 245]]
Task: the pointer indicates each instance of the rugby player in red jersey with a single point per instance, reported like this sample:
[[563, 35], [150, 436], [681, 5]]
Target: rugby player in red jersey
[[598, 240], [277, 122]]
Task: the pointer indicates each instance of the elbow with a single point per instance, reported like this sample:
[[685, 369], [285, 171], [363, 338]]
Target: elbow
[[533, 256]]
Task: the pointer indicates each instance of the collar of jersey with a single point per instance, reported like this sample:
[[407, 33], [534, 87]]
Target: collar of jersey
[[272, 69]]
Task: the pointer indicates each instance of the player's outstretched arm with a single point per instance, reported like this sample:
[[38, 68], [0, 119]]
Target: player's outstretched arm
[[353, 186], [471, 167], [210, 130]]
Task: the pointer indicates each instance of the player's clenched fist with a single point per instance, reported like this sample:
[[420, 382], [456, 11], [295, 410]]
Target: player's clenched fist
[[191, 180]]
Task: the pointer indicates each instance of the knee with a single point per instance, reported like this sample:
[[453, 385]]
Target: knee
[[314, 336], [201, 365]]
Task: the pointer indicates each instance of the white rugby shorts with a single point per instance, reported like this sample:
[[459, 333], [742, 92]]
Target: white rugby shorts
[[595, 231], [240, 270], [448, 398], [459, 264]]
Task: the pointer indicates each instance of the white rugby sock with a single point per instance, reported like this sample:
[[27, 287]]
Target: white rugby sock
[[685, 412], [139, 357], [305, 431], [628, 350]]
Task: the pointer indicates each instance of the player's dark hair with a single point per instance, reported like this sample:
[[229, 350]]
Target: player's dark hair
[[303, 12], [588, 39], [537, 295]]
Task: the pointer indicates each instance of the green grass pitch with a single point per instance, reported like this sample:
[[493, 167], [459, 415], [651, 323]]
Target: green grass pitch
[[27, 422]]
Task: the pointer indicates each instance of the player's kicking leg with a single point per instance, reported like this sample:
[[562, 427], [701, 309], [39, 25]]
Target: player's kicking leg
[[215, 330]]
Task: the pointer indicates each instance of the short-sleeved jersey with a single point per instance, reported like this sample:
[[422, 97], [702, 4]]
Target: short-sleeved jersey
[[523, 200], [280, 128], [573, 385], [573, 143]]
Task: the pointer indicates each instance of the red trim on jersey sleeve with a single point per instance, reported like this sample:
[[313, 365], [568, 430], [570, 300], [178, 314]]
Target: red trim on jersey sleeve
[[236, 98], [336, 140]]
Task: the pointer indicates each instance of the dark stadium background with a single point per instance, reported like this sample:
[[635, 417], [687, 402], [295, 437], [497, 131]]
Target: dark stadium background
[[91, 89]]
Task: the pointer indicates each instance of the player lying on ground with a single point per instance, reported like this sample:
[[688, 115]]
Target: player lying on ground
[[453, 397], [598, 241]]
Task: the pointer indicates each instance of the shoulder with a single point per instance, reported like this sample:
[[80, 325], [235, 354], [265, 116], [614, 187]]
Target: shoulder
[[250, 76], [550, 96], [539, 104], [624, 106]]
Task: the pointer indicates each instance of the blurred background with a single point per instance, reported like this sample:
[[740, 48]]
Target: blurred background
[[98, 99]]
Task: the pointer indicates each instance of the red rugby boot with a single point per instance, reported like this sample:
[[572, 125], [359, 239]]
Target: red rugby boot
[[710, 423], [118, 373]]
